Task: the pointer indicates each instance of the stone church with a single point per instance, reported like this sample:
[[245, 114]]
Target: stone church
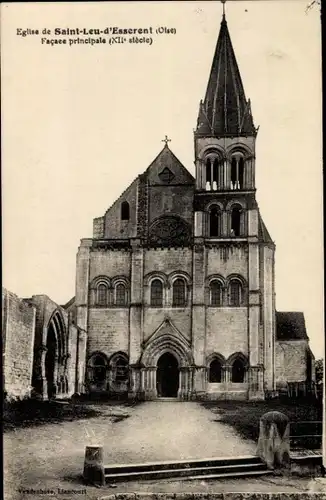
[[175, 291]]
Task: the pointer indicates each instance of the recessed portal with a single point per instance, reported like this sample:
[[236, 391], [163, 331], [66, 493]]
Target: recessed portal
[[167, 376]]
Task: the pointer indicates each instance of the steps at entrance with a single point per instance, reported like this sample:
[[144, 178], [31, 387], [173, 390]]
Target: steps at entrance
[[212, 468]]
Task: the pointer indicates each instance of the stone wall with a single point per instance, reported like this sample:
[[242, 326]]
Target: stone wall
[[114, 227], [108, 330], [227, 331], [291, 361], [18, 325]]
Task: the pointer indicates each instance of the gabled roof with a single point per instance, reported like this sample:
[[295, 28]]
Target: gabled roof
[[166, 159], [225, 110], [69, 303], [290, 326]]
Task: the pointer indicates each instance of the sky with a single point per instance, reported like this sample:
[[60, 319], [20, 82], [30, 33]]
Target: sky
[[80, 122]]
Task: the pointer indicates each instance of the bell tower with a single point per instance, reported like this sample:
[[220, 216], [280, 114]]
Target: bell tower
[[232, 244], [225, 147]]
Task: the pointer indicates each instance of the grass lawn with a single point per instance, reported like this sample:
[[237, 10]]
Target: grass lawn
[[244, 418], [32, 413]]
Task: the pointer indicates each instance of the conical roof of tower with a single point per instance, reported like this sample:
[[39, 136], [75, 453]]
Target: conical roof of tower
[[225, 110]]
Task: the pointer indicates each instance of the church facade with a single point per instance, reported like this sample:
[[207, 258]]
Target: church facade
[[175, 291], [176, 287]]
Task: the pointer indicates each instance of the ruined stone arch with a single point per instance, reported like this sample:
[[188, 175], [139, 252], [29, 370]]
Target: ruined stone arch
[[54, 362]]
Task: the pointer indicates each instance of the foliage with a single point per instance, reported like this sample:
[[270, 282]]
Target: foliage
[[245, 416], [319, 369]]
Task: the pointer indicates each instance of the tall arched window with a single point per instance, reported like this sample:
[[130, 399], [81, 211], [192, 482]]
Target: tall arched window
[[102, 295], [208, 174], [215, 222], [215, 371], [241, 173], [236, 213], [238, 371], [237, 171], [179, 293], [157, 293], [213, 172], [120, 295], [233, 172], [215, 293], [235, 293], [125, 210]]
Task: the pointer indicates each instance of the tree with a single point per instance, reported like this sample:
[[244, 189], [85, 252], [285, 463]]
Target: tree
[[319, 369]]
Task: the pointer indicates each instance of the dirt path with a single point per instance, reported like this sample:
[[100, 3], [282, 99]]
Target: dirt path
[[168, 431], [52, 455]]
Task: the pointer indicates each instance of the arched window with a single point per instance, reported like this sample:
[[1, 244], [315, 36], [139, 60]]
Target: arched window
[[97, 367], [215, 293], [236, 221], [215, 371], [157, 293], [238, 371], [120, 295], [125, 210], [179, 293], [213, 174], [215, 222], [237, 171], [102, 295], [208, 172], [241, 173], [233, 173], [235, 293], [121, 369]]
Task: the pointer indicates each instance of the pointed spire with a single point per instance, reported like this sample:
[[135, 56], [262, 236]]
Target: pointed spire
[[225, 110]]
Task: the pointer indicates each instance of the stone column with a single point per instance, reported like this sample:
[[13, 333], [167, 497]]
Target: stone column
[[253, 312], [226, 175], [81, 367], [67, 373], [256, 383], [184, 389], [41, 386], [198, 313], [199, 389], [135, 388], [82, 282], [135, 319]]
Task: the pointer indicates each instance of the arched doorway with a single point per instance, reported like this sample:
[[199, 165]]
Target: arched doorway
[[50, 359], [167, 376]]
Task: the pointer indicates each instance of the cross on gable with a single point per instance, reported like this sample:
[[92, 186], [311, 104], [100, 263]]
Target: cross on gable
[[166, 140]]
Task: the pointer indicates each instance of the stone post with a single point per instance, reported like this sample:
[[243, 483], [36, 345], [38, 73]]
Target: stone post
[[94, 465], [274, 440]]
